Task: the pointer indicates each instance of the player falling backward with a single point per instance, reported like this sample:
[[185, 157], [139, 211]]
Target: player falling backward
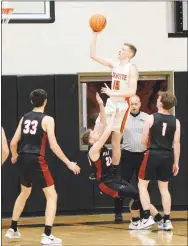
[[32, 133], [124, 85], [101, 162]]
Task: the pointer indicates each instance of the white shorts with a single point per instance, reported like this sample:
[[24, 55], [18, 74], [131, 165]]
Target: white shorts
[[120, 121]]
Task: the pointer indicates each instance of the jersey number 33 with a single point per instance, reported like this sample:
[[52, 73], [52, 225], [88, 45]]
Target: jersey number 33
[[30, 127]]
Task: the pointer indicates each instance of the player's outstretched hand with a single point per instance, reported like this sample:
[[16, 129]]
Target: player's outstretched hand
[[73, 167], [106, 90], [99, 99], [175, 169]]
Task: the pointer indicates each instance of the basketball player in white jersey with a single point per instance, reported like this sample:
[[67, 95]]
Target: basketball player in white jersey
[[124, 85]]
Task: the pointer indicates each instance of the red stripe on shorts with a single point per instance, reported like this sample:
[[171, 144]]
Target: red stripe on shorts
[[43, 144], [44, 168], [106, 190], [125, 116], [142, 171]]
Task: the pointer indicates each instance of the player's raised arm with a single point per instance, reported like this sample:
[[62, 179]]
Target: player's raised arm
[[50, 129], [176, 148], [104, 137], [14, 142], [5, 149], [95, 57], [99, 127], [102, 110]]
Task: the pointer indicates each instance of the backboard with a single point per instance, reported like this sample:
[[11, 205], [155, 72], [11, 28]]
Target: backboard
[[31, 12]]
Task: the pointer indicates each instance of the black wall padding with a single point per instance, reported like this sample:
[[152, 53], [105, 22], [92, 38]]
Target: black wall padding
[[180, 183], [25, 85], [10, 181], [75, 192]]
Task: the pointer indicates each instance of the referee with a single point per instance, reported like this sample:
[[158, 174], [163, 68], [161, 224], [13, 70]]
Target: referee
[[132, 149]]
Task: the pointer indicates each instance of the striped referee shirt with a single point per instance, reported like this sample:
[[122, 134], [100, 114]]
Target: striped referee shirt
[[133, 133]]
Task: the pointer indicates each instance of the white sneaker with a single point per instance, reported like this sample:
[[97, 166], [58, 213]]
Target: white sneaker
[[134, 225], [47, 240], [167, 225], [146, 223], [11, 234], [160, 224]]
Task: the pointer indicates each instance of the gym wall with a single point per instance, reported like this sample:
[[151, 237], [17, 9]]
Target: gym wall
[[63, 47], [49, 56], [76, 194]]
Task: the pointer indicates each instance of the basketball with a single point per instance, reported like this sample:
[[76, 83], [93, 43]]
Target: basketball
[[97, 22]]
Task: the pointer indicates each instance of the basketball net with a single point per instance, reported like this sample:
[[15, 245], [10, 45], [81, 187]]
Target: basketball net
[[6, 15]]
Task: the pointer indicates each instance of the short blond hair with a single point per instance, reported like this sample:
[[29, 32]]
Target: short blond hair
[[85, 137], [132, 48]]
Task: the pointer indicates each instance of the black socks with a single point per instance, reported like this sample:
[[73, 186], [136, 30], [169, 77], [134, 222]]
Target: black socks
[[47, 230], [14, 225], [158, 217], [166, 217], [135, 219], [146, 214]]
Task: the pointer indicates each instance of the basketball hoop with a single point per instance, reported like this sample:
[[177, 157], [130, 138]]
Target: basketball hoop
[[6, 15]]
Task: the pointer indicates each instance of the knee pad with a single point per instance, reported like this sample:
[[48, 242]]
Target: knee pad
[[135, 205]]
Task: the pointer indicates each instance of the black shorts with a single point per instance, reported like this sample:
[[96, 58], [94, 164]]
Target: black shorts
[[130, 163], [118, 189], [33, 169], [157, 165]]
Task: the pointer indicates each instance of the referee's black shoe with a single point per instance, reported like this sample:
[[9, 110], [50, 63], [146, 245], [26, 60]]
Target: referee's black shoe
[[118, 219]]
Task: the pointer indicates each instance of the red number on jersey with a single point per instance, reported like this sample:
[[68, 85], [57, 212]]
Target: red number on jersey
[[116, 85]]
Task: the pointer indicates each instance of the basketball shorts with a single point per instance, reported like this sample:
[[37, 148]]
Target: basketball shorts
[[118, 188], [120, 121], [157, 165], [33, 169]]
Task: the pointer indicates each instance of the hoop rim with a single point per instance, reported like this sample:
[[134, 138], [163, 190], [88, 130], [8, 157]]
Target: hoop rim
[[7, 10]]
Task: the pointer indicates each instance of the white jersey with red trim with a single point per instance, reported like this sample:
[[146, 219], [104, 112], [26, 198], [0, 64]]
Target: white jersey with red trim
[[120, 79]]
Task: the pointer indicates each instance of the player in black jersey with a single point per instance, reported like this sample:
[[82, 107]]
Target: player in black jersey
[[5, 149], [32, 133], [105, 171], [162, 137]]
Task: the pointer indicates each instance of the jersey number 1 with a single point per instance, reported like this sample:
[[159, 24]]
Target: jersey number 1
[[30, 127], [164, 129]]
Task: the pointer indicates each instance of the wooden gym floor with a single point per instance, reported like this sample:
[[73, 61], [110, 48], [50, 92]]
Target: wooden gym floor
[[98, 230]]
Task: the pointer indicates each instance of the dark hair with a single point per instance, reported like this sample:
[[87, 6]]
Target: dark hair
[[167, 99], [132, 48], [85, 137], [38, 97]]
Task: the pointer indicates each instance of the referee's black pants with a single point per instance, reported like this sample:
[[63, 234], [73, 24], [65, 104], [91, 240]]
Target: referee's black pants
[[129, 165]]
